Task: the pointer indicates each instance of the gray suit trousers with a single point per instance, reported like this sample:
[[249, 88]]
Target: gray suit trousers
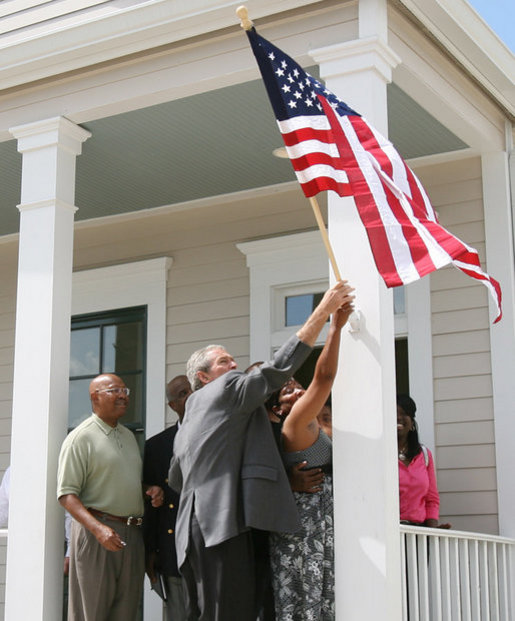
[[220, 579]]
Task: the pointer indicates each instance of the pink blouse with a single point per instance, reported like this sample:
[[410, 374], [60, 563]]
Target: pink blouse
[[418, 494]]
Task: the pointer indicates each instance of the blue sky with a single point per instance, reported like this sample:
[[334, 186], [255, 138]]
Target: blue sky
[[500, 16]]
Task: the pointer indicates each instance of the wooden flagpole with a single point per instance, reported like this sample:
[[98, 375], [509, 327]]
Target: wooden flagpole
[[247, 24], [325, 237]]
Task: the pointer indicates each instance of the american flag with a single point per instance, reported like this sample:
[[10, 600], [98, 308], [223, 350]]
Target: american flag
[[332, 147]]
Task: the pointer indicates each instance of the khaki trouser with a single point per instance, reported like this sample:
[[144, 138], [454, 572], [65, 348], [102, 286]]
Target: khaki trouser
[[104, 585]]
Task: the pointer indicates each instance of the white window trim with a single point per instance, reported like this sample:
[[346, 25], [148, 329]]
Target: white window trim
[[420, 356], [142, 283], [121, 286], [278, 264], [288, 263]]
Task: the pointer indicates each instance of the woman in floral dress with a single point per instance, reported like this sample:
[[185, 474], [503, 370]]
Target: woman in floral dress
[[303, 562]]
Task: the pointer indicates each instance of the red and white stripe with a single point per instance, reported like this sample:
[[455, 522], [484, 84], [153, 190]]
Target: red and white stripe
[[314, 155]]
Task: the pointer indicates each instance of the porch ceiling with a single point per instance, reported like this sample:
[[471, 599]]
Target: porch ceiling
[[200, 146]]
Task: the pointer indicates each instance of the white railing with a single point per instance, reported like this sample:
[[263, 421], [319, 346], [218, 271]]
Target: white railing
[[450, 575], [447, 575]]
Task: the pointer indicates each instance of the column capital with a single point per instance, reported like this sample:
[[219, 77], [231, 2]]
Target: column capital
[[368, 53], [50, 132]]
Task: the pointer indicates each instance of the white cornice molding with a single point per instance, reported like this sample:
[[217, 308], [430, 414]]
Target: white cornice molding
[[442, 158], [97, 36], [357, 55], [466, 37], [210, 201], [151, 270], [275, 250]]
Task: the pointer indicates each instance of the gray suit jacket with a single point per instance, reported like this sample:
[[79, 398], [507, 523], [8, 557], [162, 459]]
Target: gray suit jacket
[[226, 463]]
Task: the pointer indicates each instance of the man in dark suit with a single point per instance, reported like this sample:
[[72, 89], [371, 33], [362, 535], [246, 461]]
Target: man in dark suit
[[159, 524], [229, 485]]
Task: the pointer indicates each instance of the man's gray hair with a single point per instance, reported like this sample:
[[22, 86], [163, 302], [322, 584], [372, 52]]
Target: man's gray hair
[[200, 360]]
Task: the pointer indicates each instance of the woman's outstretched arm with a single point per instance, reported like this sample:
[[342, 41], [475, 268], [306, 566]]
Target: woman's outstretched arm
[[300, 429]]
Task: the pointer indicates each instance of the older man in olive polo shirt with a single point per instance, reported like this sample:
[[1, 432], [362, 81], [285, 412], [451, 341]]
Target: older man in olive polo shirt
[[99, 483]]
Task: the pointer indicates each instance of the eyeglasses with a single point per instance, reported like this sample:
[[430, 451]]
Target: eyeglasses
[[116, 391]]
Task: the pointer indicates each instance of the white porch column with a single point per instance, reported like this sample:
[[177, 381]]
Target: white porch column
[[364, 412], [41, 363], [500, 264]]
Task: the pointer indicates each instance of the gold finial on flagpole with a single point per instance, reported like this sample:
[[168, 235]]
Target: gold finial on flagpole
[[243, 14]]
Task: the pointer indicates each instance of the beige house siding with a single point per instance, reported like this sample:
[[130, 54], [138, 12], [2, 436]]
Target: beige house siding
[[463, 409], [208, 283]]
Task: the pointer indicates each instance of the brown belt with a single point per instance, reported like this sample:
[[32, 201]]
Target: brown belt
[[130, 520]]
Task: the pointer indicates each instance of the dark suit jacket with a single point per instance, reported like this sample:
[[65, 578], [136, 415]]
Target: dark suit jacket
[[226, 461], [159, 524]]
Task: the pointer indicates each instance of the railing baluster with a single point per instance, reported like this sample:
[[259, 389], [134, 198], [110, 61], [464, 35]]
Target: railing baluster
[[475, 581], [446, 578], [454, 570], [502, 561], [493, 580], [404, 589], [412, 579], [435, 579], [510, 580], [466, 612], [483, 573], [423, 582]]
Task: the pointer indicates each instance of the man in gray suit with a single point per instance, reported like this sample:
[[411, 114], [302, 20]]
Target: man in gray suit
[[227, 484]]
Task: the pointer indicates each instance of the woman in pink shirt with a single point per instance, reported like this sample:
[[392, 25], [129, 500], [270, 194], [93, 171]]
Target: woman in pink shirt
[[418, 494]]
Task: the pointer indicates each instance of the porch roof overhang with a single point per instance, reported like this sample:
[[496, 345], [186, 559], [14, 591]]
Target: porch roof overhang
[[457, 28], [207, 141], [179, 152], [38, 46]]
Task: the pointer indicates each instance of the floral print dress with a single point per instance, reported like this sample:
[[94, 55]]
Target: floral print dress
[[303, 562]]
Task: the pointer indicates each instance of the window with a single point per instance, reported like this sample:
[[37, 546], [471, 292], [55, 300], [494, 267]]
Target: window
[[399, 301], [109, 342], [299, 307], [401, 366], [401, 341], [293, 303]]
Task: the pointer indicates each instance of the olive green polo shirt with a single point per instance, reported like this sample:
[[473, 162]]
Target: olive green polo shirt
[[102, 466]]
